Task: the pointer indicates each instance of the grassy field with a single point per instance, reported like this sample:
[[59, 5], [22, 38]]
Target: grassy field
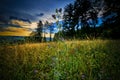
[[69, 60]]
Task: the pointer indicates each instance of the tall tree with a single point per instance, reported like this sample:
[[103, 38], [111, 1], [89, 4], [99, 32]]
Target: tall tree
[[69, 24], [45, 28], [81, 7], [51, 30], [93, 16], [39, 30], [111, 17], [76, 16]]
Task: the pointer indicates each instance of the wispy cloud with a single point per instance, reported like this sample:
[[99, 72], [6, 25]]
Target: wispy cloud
[[13, 31], [15, 27], [20, 19]]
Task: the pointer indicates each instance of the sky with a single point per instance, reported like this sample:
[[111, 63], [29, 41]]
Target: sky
[[20, 17]]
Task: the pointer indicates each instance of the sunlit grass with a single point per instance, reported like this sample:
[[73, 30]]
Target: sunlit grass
[[69, 60]]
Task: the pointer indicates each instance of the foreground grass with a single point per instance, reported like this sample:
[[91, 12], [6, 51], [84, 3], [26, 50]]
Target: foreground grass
[[70, 60]]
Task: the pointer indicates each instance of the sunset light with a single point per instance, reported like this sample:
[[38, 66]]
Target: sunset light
[[59, 40]]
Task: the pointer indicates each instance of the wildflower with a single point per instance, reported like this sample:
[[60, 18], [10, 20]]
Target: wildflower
[[57, 74], [54, 58], [83, 76], [35, 71], [53, 64], [102, 71], [49, 46], [61, 39]]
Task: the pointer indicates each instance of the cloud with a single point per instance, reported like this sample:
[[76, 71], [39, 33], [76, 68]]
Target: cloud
[[20, 15], [15, 28], [14, 22], [6, 21], [19, 23], [40, 15], [7, 25], [13, 31], [3, 19], [20, 19]]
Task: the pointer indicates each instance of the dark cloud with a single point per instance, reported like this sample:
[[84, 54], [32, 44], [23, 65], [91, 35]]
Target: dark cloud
[[25, 20], [2, 29], [8, 25], [3, 20], [6, 22], [40, 15], [19, 14], [20, 19]]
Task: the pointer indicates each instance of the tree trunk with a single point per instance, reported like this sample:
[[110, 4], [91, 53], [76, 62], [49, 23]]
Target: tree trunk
[[94, 32], [50, 37]]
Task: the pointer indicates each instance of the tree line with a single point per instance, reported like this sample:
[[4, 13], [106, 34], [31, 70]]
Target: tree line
[[81, 20], [39, 35]]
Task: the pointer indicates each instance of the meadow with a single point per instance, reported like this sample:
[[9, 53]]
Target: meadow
[[62, 60]]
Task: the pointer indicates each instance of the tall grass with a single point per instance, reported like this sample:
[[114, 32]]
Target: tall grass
[[69, 60]]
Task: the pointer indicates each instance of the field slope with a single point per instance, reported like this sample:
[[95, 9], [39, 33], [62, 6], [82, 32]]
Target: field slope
[[69, 60]]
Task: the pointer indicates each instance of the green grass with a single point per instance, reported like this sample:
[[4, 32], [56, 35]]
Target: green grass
[[69, 60]]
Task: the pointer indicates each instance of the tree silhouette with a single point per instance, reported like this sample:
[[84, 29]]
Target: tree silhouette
[[49, 26], [111, 18], [69, 24], [93, 15], [75, 15], [58, 16], [45, 27], [51, 30], [39, 30]]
